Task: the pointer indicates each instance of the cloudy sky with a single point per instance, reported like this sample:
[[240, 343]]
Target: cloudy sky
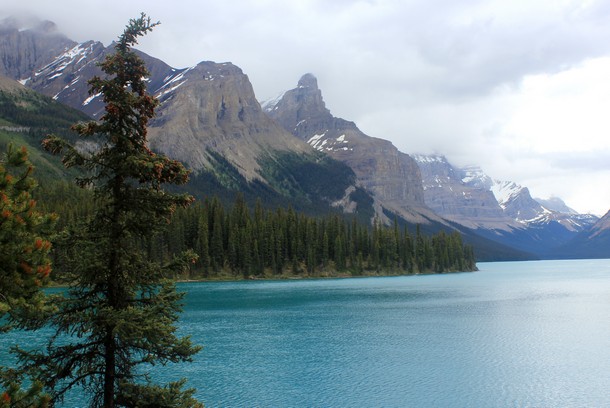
[[520, 87]]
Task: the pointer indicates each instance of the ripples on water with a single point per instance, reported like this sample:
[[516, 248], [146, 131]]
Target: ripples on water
[[514, 334]]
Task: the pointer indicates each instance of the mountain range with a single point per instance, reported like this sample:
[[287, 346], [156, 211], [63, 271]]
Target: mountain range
[[292, 150]]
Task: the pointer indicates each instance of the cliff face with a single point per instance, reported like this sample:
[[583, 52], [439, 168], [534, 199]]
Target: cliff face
[[21, 51], [392, 176], [212, 106], [460, 196]]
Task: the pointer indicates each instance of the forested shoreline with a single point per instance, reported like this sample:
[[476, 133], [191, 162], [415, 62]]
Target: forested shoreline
[[238, 242]]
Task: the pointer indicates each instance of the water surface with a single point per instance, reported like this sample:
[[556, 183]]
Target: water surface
[[512, 334]]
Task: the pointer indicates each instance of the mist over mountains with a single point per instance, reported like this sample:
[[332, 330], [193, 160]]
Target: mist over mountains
[[293, 150]]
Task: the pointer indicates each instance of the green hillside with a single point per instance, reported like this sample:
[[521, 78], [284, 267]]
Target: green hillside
[[26, 117]]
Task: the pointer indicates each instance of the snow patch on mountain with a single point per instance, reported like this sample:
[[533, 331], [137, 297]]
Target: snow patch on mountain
[[172, 82], [91, 98], [74, 55], [323, 144], [316, 143], [504, 191], [271, 104], [474, 176], [422, 158]]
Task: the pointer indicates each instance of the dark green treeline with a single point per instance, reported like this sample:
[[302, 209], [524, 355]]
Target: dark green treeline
[[238, 242]]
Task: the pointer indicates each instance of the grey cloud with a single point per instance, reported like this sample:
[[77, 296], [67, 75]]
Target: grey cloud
[[477, 57], [581, 161]]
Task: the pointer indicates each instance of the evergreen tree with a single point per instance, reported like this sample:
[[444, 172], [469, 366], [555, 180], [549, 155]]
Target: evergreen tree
[[24, 243], [121, 310], [24, 267]]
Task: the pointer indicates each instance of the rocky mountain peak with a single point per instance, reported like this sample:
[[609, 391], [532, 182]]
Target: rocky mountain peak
[[392, 176], [308, 81], [475, 177], [298, 107], [47, 27], [27, 44]]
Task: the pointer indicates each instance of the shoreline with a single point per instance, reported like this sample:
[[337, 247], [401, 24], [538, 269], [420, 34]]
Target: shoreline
[[313, 277], [291, 277]]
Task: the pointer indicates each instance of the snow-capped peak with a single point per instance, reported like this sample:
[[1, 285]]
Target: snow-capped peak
[[475, 177]]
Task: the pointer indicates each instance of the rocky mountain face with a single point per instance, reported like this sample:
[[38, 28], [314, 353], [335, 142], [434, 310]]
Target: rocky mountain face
[[461, 195], [21, 51], [392, 176], [213, 106], [208, 118]]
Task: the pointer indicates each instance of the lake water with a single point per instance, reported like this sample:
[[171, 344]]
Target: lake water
[[520, 334]]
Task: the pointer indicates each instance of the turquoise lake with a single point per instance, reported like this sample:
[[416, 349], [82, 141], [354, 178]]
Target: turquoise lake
[[514, 334]]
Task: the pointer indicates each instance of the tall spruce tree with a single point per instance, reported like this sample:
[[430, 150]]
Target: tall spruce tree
[[120, 313]]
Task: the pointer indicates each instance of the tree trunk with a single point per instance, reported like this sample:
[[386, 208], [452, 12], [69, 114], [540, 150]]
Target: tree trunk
[[109, 369]]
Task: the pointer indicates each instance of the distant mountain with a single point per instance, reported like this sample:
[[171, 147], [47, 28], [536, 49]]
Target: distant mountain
[[500, 210], [556, 204], [591, 243], [461, 195]]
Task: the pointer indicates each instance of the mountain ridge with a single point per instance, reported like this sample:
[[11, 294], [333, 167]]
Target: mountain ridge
[[512, 216], [209, 117]]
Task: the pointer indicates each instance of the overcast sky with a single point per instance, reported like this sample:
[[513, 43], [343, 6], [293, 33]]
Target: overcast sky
[[520, 88]]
